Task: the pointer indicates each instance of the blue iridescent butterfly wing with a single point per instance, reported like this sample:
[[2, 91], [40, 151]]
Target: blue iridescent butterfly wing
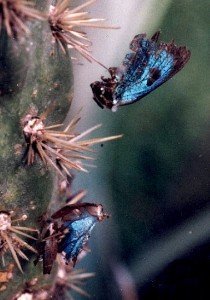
[[77, 236], [149, 66]]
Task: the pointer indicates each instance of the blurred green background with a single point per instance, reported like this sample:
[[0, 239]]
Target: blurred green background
[[157, 177]]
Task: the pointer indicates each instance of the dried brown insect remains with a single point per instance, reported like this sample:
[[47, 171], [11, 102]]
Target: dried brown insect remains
[[10, 237], [67, 232]]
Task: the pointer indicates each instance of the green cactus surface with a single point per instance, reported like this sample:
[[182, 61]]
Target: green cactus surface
[[34, 74]]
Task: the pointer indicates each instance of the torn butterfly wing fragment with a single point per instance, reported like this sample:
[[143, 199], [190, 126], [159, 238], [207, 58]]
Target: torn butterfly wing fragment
[[47, 246], [78, 222], [149, 65]]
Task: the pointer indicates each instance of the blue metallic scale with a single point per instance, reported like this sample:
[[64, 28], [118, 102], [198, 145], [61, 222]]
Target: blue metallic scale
[[77, 221], [142, 71], [134, 87], [78, 235]]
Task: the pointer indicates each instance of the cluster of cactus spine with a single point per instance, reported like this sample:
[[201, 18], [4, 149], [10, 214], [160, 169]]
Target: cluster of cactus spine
[[35, 77]]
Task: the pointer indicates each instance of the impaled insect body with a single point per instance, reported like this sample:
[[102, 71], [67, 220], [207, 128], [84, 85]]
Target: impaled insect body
[[67, 231], [78, 220], [148, 66]]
